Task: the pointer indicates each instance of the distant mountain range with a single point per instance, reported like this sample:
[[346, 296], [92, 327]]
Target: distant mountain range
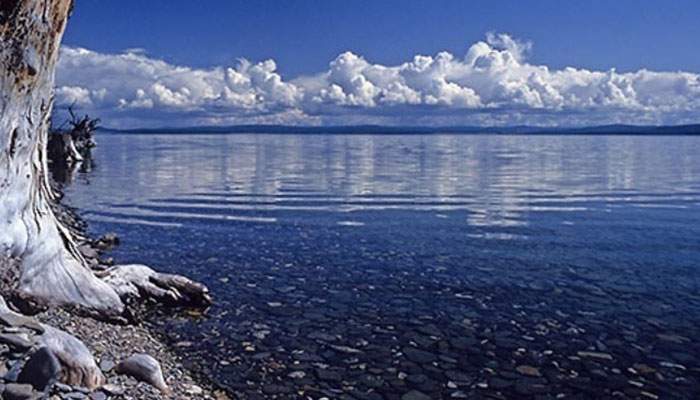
[[379, 129]]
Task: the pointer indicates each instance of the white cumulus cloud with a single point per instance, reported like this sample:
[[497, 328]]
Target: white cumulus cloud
[[492, 83]]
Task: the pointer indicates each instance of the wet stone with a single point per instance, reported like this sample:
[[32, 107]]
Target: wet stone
[[499, 384], [528, 370], [509, 375], [595, 355], [419, 356], [463, 343], [617, 382], [369, 395], [273, 389], [430, 330], [371, 381], [416, 379], [415, 395], [327, 375], [528, 387]]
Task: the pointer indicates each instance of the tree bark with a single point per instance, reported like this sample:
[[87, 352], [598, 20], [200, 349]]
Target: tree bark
[[52, 269]]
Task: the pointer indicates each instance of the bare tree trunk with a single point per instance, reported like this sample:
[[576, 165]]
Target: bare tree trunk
[[52, 269]]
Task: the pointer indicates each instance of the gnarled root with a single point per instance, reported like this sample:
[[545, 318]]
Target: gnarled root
[[140, 282]]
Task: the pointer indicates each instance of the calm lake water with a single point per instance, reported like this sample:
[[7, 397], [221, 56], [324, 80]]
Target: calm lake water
[[375, 266]]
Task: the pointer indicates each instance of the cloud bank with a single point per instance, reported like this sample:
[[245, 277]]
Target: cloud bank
[[491, 84]]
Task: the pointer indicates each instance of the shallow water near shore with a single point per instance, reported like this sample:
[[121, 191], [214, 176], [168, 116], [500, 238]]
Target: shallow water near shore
[[455, 266]]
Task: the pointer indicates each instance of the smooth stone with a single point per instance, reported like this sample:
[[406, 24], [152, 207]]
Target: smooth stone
[[458, 376], [499, 384], [41, 370], [18, 391], [74, 396], [81, 389], [261, 356], [419, 356], [195, 390], [275, 389], [416, 379], [371, 381], [463, 343], [617, 382], [430, 330], [144, 368], [106, 365], [595, 354], [369, 395], [527, 388], [63, 387], [528, 370], [326, 375], [98, 396], [415, 395], [111, 389]]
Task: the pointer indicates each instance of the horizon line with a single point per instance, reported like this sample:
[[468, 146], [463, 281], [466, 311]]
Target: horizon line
[[628, 129]]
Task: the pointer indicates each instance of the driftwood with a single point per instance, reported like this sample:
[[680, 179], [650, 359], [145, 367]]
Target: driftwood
[[141, 282], [67, 147]]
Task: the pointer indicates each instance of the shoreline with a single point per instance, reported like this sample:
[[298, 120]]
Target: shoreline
[[108, 342], [115, 342]]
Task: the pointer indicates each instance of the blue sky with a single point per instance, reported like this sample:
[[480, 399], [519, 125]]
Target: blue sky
[[304, 37]]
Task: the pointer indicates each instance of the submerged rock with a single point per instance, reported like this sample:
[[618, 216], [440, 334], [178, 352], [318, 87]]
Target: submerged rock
[[415, 395], [419, 356], [528, 370]]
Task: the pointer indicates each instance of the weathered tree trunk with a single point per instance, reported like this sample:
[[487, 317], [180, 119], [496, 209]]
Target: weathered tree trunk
[[52, 269]]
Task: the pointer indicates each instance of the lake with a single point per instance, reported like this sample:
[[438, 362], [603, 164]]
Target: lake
[[378, 266]]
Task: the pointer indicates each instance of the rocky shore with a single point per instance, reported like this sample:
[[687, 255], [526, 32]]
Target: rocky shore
[[58, 354]]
